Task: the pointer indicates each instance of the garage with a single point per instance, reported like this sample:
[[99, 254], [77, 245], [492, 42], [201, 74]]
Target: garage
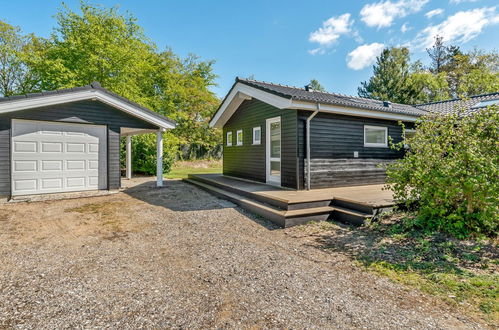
[[51, 157], [69, 140]]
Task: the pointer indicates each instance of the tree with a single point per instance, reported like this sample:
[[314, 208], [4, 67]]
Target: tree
[[15, 76], [316, 85], [389, 80], [100, 44], [452, 172], [451, 74], [440, 55]]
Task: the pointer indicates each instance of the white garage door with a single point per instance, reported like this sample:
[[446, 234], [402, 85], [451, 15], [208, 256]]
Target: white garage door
[[51, 157]]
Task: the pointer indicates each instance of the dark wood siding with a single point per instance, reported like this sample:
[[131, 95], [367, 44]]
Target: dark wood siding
[[86, 112], [248, 161], [336, 137]]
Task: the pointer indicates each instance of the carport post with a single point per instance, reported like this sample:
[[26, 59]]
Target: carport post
[[159, 158], [128, 156]]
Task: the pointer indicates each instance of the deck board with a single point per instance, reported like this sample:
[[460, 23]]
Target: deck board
[[373, 195]]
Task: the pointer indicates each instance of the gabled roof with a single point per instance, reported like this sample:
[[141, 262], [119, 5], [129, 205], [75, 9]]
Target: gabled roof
[[289, 97], [297, 93], [461, 105], [94, 91]]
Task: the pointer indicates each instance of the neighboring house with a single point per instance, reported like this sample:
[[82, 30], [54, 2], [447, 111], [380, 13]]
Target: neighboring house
[[69, 140], [270, 130]]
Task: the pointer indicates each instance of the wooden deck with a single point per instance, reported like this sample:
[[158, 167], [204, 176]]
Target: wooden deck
[[289, 207], [373, 195]]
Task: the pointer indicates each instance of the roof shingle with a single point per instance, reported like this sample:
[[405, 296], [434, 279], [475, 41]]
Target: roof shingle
[[302, 94]]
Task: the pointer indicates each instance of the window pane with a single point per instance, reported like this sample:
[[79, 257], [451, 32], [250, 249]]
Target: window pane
[[229, 138], [374, 135], [239, 137], [275, 140], [275, 168], [257, 135]]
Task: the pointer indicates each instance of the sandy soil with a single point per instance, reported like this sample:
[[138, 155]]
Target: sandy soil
[[178, 257]]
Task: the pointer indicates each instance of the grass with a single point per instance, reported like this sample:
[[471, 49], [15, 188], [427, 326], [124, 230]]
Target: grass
[[463, 273], [183, 168]]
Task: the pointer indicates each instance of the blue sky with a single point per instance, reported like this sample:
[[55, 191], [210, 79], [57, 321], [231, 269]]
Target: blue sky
[[290, 42]]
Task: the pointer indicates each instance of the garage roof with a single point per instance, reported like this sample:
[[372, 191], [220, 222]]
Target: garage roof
[[94, 91]]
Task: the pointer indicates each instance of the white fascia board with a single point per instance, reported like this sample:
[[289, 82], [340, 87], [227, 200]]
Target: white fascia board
[[47, 100], [300, 105], [236, 97], [239, 93]]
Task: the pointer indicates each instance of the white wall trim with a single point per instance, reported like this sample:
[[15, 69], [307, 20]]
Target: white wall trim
[[376, 145], [255, 129], [47, 100], [239, 142], [241, 92], [268, 177]]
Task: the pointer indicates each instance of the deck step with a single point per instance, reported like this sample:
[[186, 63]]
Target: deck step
[[269, 212], [350, 216], [282, 217], [263, 199]]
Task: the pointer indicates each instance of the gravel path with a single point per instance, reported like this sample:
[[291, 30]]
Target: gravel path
[[179, 258]]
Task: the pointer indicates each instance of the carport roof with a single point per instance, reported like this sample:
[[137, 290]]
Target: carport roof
[[91, 91]]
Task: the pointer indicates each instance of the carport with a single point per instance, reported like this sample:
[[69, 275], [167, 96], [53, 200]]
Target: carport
[[69, 140]]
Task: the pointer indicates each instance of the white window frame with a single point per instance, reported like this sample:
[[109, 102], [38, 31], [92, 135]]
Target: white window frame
[[229, 140], [239, 143], [406, 146], [258, 128], [376, 145]]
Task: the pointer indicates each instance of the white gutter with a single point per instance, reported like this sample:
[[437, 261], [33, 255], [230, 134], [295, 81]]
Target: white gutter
[[309, 119]]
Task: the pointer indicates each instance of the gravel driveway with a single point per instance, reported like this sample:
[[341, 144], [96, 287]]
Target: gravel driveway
[[178, 257]]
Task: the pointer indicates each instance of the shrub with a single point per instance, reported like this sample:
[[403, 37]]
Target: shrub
[[144, 153], [451, 171]]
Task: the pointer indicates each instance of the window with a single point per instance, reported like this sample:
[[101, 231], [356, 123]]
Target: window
[[375, 136], [257, 135], [409, 133], [483, 104], [229, 139], [239, 137]]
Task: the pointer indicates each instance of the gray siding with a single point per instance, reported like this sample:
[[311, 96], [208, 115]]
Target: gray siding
[[248, 161], [335, 138], [85, 112]]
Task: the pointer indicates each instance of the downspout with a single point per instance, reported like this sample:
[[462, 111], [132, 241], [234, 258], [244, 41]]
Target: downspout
[[309, 119]]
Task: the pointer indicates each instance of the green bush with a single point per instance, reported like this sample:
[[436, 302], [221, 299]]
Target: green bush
[[144, 153], [451, 172]]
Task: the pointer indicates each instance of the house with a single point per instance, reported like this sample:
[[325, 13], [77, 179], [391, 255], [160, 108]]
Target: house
[[69, 140], [271, 130]]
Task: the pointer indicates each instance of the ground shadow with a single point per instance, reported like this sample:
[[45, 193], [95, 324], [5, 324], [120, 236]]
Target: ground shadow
[[180, 196], [410, 250]]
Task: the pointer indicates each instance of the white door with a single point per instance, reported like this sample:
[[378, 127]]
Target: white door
[[273, 150], [52, 157]]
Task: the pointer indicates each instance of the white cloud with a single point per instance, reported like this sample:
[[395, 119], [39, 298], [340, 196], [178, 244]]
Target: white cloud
[[405, 27], [364, 55], [434, 12], [460, 1], [460, 27], [382, 14], [316, 51], [331, 30]]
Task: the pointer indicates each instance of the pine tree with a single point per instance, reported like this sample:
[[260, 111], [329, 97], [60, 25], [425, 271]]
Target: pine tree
[[389, 81]]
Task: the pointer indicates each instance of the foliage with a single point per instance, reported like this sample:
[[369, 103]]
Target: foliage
[[450, 74], [15, 76], [316, 85], [100, 44], [391, 72], [452, 171], [144, 153]]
